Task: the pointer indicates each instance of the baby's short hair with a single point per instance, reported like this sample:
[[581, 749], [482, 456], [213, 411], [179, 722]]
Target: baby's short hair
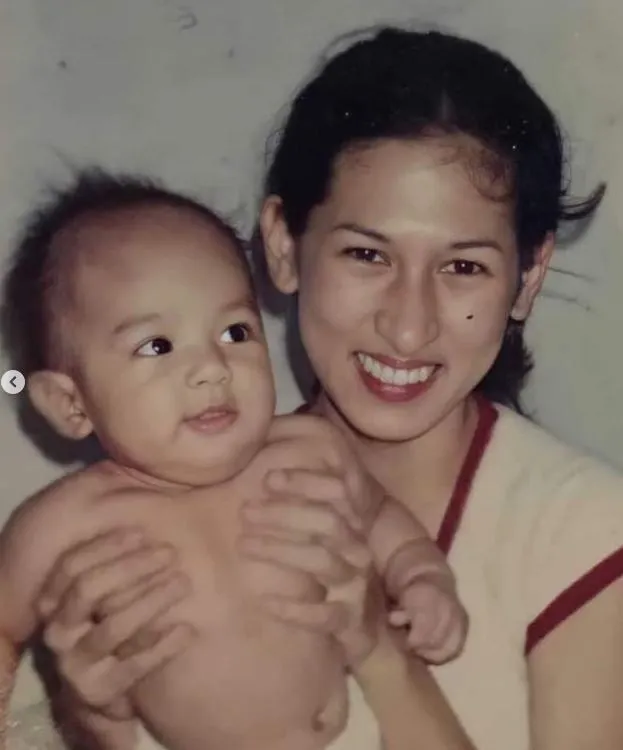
[[39, 270]]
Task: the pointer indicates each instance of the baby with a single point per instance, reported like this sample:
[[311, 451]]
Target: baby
[[139, 324]]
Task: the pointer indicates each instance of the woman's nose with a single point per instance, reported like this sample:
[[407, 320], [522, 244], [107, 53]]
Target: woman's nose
[[408, 319]]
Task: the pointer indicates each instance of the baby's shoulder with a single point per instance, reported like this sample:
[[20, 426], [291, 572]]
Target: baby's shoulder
[[47, 522], [36, 533], [297, 425], [304, 440], [48, 508]]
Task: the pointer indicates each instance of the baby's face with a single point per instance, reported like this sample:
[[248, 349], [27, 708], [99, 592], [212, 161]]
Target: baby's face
[[172, 362]]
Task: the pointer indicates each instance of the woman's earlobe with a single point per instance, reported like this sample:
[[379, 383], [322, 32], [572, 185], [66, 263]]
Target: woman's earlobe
[[532, 280], [279, 246], [56, 397]]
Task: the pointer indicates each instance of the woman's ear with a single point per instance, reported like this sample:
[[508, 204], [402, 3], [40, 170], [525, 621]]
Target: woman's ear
[[279, 246], [532, 280], [57, 398]]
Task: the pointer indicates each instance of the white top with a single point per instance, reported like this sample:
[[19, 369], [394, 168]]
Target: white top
[[534, 531]]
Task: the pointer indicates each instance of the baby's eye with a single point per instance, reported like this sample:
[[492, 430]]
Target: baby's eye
[[155, 347], [464, 268], [236, 333], [365, 254]]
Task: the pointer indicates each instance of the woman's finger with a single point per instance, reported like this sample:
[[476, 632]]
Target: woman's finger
[[104, 683], [60, 639], [122, 599], [322, 487], [353, 551], [305, 519], [83, 557], [104, 638], [119, 576], [164, 646], [324, 617], [315, 559]]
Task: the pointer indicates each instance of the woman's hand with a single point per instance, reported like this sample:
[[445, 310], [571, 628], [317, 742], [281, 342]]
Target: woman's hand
[[100, 607], [308, 524]]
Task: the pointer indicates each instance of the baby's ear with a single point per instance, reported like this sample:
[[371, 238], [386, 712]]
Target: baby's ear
[[56, 397]]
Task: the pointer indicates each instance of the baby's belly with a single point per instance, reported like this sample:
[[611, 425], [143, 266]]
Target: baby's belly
[[247, 680], [244, 688]]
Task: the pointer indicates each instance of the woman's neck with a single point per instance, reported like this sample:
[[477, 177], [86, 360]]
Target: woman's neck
[[421, 472]]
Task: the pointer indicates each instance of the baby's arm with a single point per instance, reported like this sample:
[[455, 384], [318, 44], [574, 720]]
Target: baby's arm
[[35, 536], [17, 623], [418, 577], [9, 661]]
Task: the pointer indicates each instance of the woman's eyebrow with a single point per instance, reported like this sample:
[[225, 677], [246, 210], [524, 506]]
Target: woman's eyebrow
[[350, 226], [475, 244]]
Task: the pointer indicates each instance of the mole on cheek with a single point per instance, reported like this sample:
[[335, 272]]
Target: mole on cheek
[[470, 316]]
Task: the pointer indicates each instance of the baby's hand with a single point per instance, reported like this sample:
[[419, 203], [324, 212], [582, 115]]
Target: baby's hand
[[436, 620]]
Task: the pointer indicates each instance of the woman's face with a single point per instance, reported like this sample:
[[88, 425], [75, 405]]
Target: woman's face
[[407, 274]]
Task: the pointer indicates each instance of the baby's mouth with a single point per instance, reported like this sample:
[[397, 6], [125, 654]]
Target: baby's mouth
[[212, 420]]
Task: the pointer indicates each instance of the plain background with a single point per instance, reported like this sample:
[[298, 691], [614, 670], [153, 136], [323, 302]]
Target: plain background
[[189, 92]]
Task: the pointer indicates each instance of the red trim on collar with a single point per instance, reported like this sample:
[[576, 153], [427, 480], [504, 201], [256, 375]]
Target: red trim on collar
[[487, 417]]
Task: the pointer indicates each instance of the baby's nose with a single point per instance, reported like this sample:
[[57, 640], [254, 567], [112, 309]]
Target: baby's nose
[[210, 368]]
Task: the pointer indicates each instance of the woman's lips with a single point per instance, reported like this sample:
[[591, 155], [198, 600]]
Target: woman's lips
[[392, 383]]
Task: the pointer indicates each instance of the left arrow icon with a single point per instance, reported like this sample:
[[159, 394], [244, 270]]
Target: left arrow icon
[[13, 382]]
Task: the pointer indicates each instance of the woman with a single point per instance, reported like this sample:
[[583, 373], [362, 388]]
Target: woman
[[412, 205]]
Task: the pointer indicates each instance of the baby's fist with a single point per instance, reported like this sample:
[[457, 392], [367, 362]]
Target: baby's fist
[[436, 620]]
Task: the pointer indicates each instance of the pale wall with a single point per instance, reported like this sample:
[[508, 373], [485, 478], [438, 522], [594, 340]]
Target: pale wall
[[121, 82]]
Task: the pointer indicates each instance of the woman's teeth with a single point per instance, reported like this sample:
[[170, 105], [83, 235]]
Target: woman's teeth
[[393, 376]]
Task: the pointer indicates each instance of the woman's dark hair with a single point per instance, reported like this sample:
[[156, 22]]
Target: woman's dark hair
[[408, 84]]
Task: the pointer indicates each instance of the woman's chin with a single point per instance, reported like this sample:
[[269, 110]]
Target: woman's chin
[[386, 427]]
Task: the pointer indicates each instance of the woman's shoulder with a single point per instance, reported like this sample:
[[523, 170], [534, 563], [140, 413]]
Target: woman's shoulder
[[529, 479], [559, 520], [555, 492], [537, 454]]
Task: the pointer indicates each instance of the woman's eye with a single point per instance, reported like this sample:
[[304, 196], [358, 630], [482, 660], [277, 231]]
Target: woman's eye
[[365, 254], [236, 334], [155, 347], [464, 268]]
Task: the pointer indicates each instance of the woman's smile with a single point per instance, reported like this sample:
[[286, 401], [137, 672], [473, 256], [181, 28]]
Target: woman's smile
[[392, 380]]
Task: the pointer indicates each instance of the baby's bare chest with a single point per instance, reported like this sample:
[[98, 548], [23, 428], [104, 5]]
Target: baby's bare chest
[[203, 531], [244, 669]]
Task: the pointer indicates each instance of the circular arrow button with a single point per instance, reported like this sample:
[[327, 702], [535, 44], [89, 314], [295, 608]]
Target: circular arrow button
[[13, 382]]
